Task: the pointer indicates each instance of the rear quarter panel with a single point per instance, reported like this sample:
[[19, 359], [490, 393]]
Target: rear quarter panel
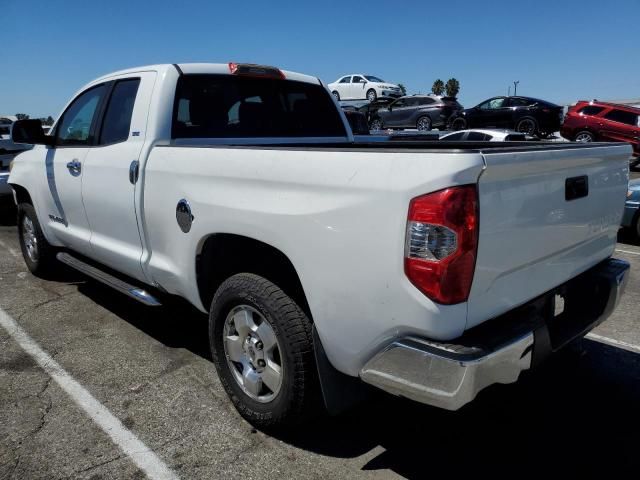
[[339, 216]]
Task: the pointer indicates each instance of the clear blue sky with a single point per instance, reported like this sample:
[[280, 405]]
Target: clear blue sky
[[559, 50]]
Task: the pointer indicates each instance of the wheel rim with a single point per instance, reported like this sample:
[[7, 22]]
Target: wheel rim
[[376, 125], [526, 126], [29, 238], [253, 353], [583, 138], [371, 96], [424, 124]]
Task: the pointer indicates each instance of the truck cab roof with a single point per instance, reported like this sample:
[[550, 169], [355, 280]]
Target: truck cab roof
[[203, 68]]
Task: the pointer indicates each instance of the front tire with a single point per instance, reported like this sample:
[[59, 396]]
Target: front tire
[[38, 254], [262, 348], [584, 137], [371, 95], [458, 124], [527, 125]]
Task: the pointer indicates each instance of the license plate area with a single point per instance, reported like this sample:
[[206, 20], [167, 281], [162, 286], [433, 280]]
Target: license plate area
[[574, 308]]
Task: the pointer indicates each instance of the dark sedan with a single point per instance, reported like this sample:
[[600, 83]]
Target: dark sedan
[[530, 116], [418, 111]]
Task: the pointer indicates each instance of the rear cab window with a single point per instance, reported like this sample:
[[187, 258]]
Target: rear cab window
[[230, 106], [117, 118]]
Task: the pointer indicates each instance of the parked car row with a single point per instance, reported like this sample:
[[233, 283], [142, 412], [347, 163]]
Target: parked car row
[[586, 121]]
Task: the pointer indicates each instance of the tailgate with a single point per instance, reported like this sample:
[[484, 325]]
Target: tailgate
[[533, 235]]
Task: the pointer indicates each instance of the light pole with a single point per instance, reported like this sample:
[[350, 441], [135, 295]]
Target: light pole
[[515, 87]]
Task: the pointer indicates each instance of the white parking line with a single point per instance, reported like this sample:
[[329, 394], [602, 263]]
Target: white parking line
[[614, 343], [128, 442], [627, 251]]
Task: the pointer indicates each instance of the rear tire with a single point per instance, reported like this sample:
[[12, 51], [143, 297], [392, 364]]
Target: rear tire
[[268, 371], [584, 137], [336, 94], [38, 254], [371, 95]]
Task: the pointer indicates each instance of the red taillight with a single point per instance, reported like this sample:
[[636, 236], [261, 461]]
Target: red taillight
[[442, 242]]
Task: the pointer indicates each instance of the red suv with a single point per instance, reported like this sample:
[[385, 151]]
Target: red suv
[[601, 121]]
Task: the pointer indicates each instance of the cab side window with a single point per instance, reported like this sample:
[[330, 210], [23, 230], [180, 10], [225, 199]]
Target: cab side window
[[75, 128], [345, 80], [117, 118], [492, 104]]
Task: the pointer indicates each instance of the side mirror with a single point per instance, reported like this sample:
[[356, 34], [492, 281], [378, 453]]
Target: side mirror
[[30, 132]]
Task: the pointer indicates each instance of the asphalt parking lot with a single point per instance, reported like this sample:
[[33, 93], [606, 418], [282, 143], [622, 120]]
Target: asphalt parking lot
[[151, 370]]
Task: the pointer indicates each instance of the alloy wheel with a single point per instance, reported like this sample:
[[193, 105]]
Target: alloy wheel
[[29, 238], [527, 126], [253, 353], [424, 123], [584, 137]]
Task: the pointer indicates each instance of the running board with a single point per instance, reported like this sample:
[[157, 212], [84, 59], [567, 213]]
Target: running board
[[121, 286]]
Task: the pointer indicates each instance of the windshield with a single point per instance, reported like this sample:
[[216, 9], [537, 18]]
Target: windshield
[[371, 78]]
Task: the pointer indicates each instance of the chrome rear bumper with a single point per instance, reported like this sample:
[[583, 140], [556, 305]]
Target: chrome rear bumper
[[449, 375]]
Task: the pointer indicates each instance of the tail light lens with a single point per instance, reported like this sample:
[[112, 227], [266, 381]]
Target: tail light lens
[[442, 243]]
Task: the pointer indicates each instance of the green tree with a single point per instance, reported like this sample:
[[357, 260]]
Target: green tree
[[22, 116], [48, 120], [403, 89], [452, 87], [438, 87]]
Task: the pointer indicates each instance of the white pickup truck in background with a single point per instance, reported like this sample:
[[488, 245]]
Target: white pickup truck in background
[[428, 269]]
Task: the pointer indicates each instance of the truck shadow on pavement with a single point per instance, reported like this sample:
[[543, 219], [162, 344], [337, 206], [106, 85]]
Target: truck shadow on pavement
[[8, 212], [575, 415]]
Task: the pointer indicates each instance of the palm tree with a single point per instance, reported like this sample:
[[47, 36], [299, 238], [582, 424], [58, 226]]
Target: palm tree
[[438, 87], [403, 89], [452, 87]]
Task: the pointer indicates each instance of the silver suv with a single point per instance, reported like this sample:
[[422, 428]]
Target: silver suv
[[423, 112]]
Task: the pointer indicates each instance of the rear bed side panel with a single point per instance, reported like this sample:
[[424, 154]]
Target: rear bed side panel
[[339, 216], [531, 239]]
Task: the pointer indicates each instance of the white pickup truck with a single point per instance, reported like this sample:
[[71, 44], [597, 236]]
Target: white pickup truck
[[427, 269]]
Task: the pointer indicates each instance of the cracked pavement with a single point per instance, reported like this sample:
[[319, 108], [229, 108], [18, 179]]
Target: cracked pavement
[[151, 368]]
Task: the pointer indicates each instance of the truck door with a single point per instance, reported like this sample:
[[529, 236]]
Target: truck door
[[111, 174], [65, 168]]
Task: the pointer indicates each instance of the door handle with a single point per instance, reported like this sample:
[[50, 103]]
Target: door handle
[[133, 171], [75, 167]]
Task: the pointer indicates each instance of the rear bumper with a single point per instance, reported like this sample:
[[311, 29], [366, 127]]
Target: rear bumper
[[449, 375]]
